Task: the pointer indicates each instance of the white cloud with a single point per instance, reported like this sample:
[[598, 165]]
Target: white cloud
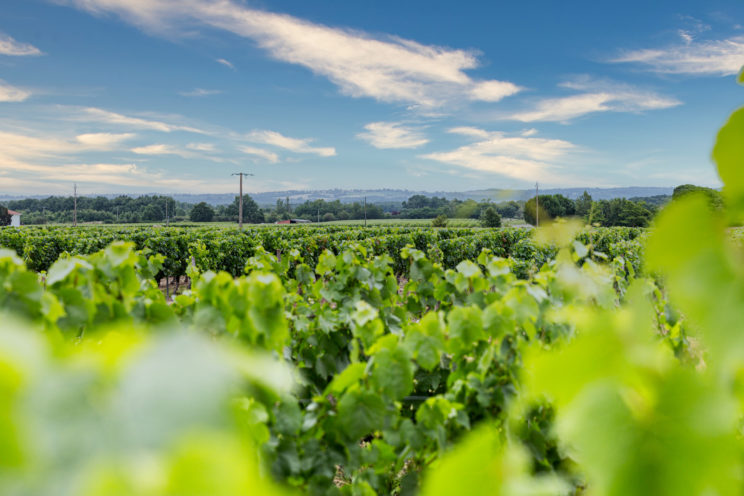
[[156, 149], [9, 46], [469, 131], [386, 68], [15, 146], [92, 114], [200, 92], [260, 152], [201, 147], [293, 144], [102, 140], [597, 96], [226, 63], [516, 157], [702, 58], [392, 135], [161, 149], [31, 164], [10, 93], [492, 91]]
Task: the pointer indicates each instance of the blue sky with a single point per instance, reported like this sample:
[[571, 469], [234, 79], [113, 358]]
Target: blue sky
[[175, 95]]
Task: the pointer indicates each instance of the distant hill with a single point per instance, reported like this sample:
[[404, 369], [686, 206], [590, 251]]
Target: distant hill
[[399, 195]]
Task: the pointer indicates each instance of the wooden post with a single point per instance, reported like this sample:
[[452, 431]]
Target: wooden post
[[74, 199], [240, 204], [240, 200]]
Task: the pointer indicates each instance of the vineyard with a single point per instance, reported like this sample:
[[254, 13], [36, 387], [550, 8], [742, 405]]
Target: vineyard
[[344, 360]]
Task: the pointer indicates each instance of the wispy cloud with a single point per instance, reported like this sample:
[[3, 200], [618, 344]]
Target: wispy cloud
[[469, 131], [226, 63], [200, 92], [160, 149], [517, 157], [9, 46], [156, 149], [201, 147], [10, 93], [392, 135], [92, 114], [51, 163], [596, 96], [691, 56], [296, 145], [103, 140], [386, 68], [15, 146], [260, 152]]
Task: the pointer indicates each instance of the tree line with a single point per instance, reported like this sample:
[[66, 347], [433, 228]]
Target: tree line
[[633, 212], [614, 212]]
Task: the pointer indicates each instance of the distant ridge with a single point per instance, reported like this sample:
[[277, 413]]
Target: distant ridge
[[397, 195]]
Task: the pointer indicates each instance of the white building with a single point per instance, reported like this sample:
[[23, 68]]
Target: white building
[[15, 218]]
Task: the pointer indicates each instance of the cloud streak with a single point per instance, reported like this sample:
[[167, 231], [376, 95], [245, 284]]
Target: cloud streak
[[597, 96], [226, 63], [29, 162], [295, 145], [516, 157], [200, 92], [260, 152], [10, 93], [386, 68], [392, 135], [92, 114], [161, 149], [9, 46], [692, 57]]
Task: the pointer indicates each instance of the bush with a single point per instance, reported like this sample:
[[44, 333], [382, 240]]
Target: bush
[[328, 217], [439, 221], [490, 218]]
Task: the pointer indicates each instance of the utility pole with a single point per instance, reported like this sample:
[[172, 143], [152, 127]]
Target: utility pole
[[74, 199], [365, 211], [537, 206], [318, 215], [240, 202], [166, 212]]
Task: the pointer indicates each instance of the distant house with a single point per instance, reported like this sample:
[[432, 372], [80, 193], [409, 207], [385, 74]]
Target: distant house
[[15, 218], [293, 221]]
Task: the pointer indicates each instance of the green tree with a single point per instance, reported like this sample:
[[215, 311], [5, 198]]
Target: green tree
[[583, 204], [251, 211], [202, 212], [490, 218], [466, 209], [715, 200], [5, 217], [153, 212], [596, 215]]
